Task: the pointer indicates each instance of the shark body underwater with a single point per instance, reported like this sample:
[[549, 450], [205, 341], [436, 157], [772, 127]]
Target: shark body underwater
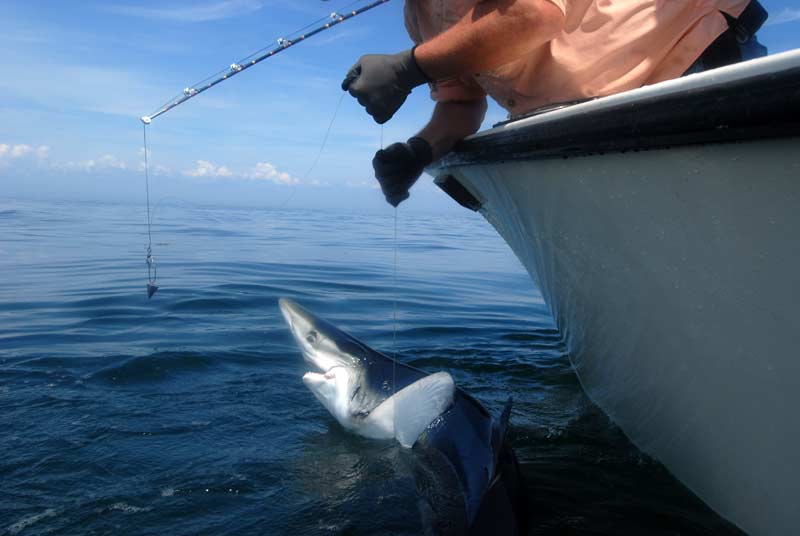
[[458, 447]]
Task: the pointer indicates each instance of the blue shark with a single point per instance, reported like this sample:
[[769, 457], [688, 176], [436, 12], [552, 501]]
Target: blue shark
[[451, 433]]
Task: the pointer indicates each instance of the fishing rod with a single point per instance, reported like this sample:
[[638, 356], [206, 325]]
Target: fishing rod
[[237, 67]]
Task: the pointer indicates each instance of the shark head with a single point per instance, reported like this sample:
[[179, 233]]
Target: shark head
[[356, 384], [336, 357], [324, 346]]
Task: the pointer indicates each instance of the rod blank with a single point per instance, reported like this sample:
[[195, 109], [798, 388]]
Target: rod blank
[[240, 66]]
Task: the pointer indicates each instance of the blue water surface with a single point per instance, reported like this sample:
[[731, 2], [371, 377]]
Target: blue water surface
[[186, 414]]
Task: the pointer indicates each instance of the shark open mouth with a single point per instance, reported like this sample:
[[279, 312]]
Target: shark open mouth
[[327, 374]]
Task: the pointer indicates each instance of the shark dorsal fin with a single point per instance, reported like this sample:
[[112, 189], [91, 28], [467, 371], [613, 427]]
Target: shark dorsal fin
[[414, 407], [500, 430], [502, 423]]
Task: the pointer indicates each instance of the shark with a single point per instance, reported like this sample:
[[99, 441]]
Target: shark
[[456, 441]]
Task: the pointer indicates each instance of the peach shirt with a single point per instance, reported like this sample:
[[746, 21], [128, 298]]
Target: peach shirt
[[607, 46]]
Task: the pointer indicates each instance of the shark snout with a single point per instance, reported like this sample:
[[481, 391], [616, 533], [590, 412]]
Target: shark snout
[[323, 345], [305, 331], [298, 320], [289, 310]]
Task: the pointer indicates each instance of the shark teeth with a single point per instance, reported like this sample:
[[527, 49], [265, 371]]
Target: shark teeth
[[328, 375]]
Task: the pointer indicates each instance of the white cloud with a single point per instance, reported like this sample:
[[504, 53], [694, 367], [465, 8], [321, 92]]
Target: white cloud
[[24, 154], [362, 184], [264, 171], [350, 34], [106, 161], [86, 165], [205, 169], [111, 161], [157, 169], [190, 13], [22, 150], [19, 151], [789, 14]]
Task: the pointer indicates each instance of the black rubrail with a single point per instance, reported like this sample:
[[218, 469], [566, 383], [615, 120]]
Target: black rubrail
[[458, 192], [757, 107]]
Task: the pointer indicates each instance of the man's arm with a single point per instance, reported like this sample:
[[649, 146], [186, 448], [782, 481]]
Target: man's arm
[[493, 33], [452, 122], [399, 166]]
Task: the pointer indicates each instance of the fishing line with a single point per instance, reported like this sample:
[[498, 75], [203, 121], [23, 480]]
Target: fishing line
[[151, 263], [394, 306], [298, 36], [152, 272], [394, 298], [319, 153]]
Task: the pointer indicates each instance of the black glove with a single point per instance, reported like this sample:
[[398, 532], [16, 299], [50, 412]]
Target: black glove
[[399, 166], [381, 82]]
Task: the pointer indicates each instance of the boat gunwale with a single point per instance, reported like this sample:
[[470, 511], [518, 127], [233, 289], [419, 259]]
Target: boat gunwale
[[759, 99]]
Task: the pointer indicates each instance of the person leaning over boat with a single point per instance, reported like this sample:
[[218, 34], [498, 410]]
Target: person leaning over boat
[[526, 54]]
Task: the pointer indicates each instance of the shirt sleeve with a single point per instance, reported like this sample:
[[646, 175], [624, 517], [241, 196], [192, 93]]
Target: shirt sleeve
[[560, 4], [412, 26], [456, 89]]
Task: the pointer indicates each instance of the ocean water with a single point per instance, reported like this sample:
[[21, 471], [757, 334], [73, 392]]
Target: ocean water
[[186, 414]]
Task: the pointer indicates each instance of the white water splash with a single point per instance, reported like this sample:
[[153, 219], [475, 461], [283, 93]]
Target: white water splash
[[27, 521]]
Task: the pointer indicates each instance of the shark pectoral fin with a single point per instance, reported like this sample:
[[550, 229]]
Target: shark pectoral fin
[[419, 404], [416, 406]]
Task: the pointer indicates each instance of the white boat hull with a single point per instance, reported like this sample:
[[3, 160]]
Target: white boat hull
[[674, 275]]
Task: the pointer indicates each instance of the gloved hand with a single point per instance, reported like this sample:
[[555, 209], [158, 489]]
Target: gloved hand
[[399, 166], [381, 82]]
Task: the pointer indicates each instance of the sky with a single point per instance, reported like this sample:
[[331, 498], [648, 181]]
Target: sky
[[78, 75]]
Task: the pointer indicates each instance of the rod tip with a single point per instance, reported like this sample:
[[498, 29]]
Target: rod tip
[[146, 119]]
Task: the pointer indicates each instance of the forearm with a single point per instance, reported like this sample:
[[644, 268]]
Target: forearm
[[491, 34], [452, 122]]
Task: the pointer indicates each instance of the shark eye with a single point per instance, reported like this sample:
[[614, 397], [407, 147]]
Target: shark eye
[[311, 337]]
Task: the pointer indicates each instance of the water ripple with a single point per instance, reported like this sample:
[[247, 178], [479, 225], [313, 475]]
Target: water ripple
[[186, 414]]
